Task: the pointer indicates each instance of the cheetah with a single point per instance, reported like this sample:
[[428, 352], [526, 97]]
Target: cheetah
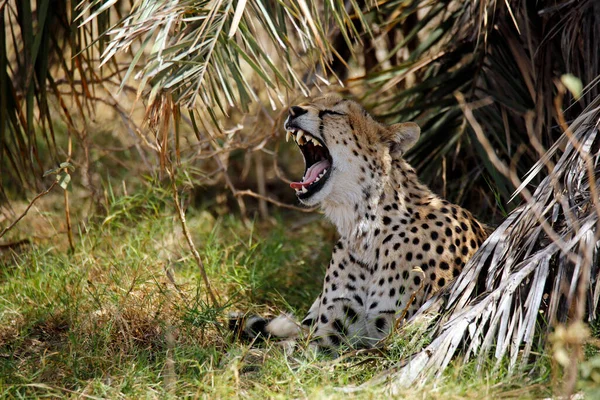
[[399, 242]]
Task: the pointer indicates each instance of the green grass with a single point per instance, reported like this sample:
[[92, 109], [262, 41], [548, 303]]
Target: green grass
[[126, 315]]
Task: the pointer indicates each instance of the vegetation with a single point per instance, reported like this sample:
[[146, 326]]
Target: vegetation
[[124, 315], [143, 191]]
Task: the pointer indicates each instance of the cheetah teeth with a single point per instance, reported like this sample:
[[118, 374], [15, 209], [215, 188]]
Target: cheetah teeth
[[301, 137], [304, 190]]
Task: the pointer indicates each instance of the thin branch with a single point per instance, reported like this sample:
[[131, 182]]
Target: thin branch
[[589, 165], [68, 221], [238, 193], [42, 194], [505, 170], [189, 239]]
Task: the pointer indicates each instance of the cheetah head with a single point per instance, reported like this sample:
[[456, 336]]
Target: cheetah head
[[345, 150]]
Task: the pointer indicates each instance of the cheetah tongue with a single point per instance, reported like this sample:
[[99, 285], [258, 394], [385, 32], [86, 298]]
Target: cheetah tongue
[[311, 174]]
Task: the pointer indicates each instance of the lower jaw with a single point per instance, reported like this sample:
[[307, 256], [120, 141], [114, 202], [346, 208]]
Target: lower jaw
[[311, 192]]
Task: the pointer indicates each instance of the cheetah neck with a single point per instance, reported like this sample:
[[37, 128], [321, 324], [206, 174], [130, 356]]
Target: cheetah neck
[[358, 214]]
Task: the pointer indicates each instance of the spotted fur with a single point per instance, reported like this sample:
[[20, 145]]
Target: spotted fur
[[398, 240]]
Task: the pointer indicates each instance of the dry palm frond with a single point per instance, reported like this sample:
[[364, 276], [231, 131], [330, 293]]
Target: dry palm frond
[[206, 52], [48, 81], [511, 52], [537, 269]]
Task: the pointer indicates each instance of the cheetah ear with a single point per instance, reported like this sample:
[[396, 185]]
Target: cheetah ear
[[403, 136]]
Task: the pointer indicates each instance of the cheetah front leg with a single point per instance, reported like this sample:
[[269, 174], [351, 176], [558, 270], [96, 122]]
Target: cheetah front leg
[[338, 315]]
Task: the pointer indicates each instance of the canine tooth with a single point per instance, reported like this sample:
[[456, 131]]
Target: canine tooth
[[304, 189], [324, 171], [287, 136], [299, 135]]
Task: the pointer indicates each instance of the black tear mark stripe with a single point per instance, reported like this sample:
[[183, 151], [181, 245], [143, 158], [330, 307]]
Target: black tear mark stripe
[[322, 113]]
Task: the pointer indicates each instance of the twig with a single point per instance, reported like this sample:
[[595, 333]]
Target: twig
[[170, 374], [276, 168], [231, 187], [45, 192], [214, 144], [68, 219], [238, 193], [405, 311], [262, 186], [12, 245], [504, 170], [584, 274], [171, 278], [589, 165], [188, 237]]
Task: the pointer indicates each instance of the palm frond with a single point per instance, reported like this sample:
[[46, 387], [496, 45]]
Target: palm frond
[[509, 52], [47, 80], [529, 273], [203, 52]]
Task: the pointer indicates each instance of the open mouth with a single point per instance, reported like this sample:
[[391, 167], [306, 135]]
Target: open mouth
[[317, 161]]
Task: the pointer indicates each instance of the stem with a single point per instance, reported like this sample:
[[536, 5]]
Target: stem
[[68, 218], [45, 192], [190, 242], [262, 186]]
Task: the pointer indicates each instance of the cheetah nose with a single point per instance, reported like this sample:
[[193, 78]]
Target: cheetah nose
[[296, 111]]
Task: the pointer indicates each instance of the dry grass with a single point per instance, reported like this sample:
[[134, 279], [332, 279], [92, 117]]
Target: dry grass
[[125, 314]]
